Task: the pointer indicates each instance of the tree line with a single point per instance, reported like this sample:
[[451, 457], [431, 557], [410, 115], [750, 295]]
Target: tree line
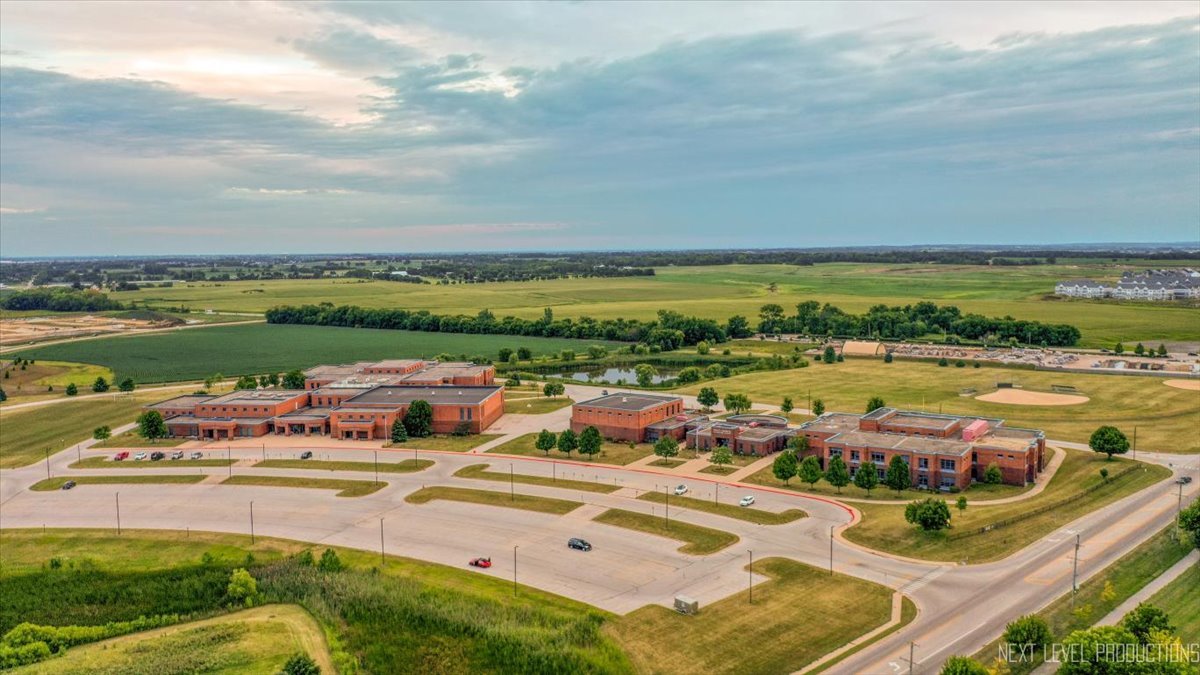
[[59, 300]]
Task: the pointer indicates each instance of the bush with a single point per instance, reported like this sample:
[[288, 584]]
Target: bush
[[301, 664], [963, 665], [242, 587], [960, 364], [462, 429], [942, 362], [992, 474], [330, 562], [1030, 629], [931, 515]]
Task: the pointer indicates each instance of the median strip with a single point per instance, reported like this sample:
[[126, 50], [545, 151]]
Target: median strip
[[403, 466], [345, 488], [748, 514], [480, 472], [491, 498], [698, 540], [56, 483], [106, 463]]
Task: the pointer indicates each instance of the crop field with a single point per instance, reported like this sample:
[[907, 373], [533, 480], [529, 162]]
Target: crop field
[[1166, 418], [722, 291], [261, 348]]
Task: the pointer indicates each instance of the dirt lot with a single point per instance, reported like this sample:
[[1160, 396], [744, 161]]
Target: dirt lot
[[43, 328], [1022, 397]]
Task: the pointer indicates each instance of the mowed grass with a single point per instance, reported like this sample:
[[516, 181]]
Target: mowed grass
[[345, 488], [718, 292], [26, 433], [255, 642], [1166, 418], [35, 380], [262, 348], [107, 463], [444, 443], [748, 513], [403, 466], [798, 616], [610, 452], [131, 439], [481, 472], [1180, 599], [535, 406], [1077, 483], [491, 498], [697, 539], [56, 483]]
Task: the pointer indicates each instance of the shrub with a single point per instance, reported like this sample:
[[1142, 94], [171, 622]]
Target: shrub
[[462, 429], [330, 562], [992, 474], [931, 515], [942, 362], [1028, 630], [963, 665], [242, 587], [301, 664], [960, 364]]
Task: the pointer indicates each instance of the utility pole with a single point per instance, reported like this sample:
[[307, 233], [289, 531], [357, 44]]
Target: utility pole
[[78, 454], [251, 523], [716, 491], [553, 471], [911, 648], [229, 460], [750, 585], [1075, 572], [382, 560], [118, 514]]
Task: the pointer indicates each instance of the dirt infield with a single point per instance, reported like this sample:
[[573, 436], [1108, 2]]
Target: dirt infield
[[1022, 397], [1190, 385]]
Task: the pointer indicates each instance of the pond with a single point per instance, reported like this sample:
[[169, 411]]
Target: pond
[[615, 375]]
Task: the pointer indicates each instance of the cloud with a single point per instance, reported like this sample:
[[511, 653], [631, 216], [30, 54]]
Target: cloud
[[13, 210]]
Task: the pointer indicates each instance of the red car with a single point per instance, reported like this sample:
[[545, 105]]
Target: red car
[[120, 456], [481, 562]]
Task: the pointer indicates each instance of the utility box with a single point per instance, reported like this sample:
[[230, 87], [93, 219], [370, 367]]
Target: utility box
[[686, 605]]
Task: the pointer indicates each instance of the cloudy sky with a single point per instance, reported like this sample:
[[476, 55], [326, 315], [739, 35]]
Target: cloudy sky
[[321, 127]]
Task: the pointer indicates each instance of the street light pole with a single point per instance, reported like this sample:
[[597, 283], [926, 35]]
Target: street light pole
[[667, 504], [381, 558], [512, 488], [1075, 571], [377, 467], [47, 463], [252, 523], [1135, 442], [750, 584], [514, 571], [911, 648], [229, 460]]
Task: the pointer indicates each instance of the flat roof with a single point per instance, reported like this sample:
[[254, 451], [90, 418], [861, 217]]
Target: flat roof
[[188, 400], [833, 422], [467, 395], [911, 419], [629, 401], [250, 396], [882, 441]]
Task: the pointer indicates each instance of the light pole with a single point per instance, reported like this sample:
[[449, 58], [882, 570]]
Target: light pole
[[831, 528], [377, 467], [512, 487], [912, 646], [251, 523], [47, 463], [514, 571], [229, 460], [667, 505], [381, 558], [716, 491], [750, 584], [1075, 571], [118, 495]]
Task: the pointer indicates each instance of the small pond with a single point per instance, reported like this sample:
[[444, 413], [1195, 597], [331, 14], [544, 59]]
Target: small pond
[[614, 375]]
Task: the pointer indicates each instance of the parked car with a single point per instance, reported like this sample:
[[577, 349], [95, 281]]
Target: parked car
[[481, 562], [156, 455], [307, 454], [178, 454], [746, 501], [680, 489], [140, 456], [68, 485], [197, 455], [578, 544], [121, 456], [1183, 480]]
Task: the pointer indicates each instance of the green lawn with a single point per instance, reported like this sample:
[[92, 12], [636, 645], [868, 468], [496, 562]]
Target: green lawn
[[345, 488], [697, 540], [35, 380], [535, 406], [610, 453], [797, 617], [883, 527], [106, 463], [664, 463], [403, 466], [25, 434], [480, 472], [491, 498], [1166, 417], [446, 443], [196, 354], [1180, 599], [131, 439], [751, 514], [719, 470], [56, 483]]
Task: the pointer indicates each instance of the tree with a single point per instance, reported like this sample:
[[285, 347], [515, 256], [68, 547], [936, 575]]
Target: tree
[[875, 403], [1119, 349], [1162, 349], [504, 353], [72, 389], [1109, 440], [567, 442], [264, 381], [666, 447], [293, 379], [546, 440], [738, 327], [553, 389], [645, 374], [300, 664], [1189, 520], [721, 456], [242, 587], [246, 382], [330, 562], [1029, 630], [829, 355], [737, 403], [596, 352], [867, 477], [702, 347], [810, 470], [127, 385], [273, 379], [1090, 649], [1104, 474], [399, 432], [818, 407], [930, 514], [590, 442], [942, 362], [992, 475], [524, 353], [963, 665], [707, 397], [567, 355], [151, 425], [1140, 349], [785, 467], [101, 433], [961, 503], [887, 357], [514, 380], [418, 419], [1143, 619], [837, 474], [100, 385], [898, 476], [3, 396], [786, 407]]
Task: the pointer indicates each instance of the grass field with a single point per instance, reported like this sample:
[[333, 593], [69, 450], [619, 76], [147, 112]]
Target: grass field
[[448, 443], [697, 539], [720, 292], [131, 439], [491, 498], [535, 406], [749, 514], [34, 381], [883, 527], [345, 488], [610, 453], [1166, 417], [196, 354], [56, 483], [106, 463], [255, 642], [480, 472], [1180, 599], [797, 617], [403, 466]]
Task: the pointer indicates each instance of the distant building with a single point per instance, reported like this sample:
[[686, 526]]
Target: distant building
[[743, 434], [633, 417], [1150, 285]]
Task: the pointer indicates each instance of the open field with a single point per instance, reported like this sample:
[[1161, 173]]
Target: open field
[[1076, 489], [1181, 600], [610, 452], [345, 488], [1166, 417], [535, 406], [33, 382], [254, 641], [56, 483], [108, 463], [785, 635], [131, 439], [749, 514], [697, 540], [508, 500], [403, 466], [446, 443], [480, 472], [720, 292], [256, 348]]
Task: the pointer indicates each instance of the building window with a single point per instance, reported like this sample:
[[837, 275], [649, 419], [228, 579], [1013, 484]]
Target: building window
[[853, 455], [922, 462], [946, 464], [877, 457], [835, 452]]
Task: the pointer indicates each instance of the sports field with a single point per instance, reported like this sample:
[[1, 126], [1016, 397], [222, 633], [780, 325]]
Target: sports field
[[1166, 417], [721, 291], [261, 348]]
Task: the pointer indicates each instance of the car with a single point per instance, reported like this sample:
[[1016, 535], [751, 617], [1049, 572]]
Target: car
[[121, 456], [156, 455], [178, 454], [68, 485], [481, 562], [578, 544], [140, 456], [197, 455], [307, 454], [746, 501], [680, 489], [1183, 480]]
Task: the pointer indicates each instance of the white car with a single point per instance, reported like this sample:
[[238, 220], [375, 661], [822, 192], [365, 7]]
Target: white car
[[680, 490], [140, 456], [746, 501]]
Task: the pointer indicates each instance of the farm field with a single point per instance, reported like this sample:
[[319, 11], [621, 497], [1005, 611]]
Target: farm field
[[1166, 417], [261, 348], [721, 291]]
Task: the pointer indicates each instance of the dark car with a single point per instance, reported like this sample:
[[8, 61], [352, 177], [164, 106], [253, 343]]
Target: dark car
[[155, 456], [307, 454], [1183, 480], [578, 544], [68, 485]]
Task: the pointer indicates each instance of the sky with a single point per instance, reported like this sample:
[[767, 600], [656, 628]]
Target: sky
[[271, 127]]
